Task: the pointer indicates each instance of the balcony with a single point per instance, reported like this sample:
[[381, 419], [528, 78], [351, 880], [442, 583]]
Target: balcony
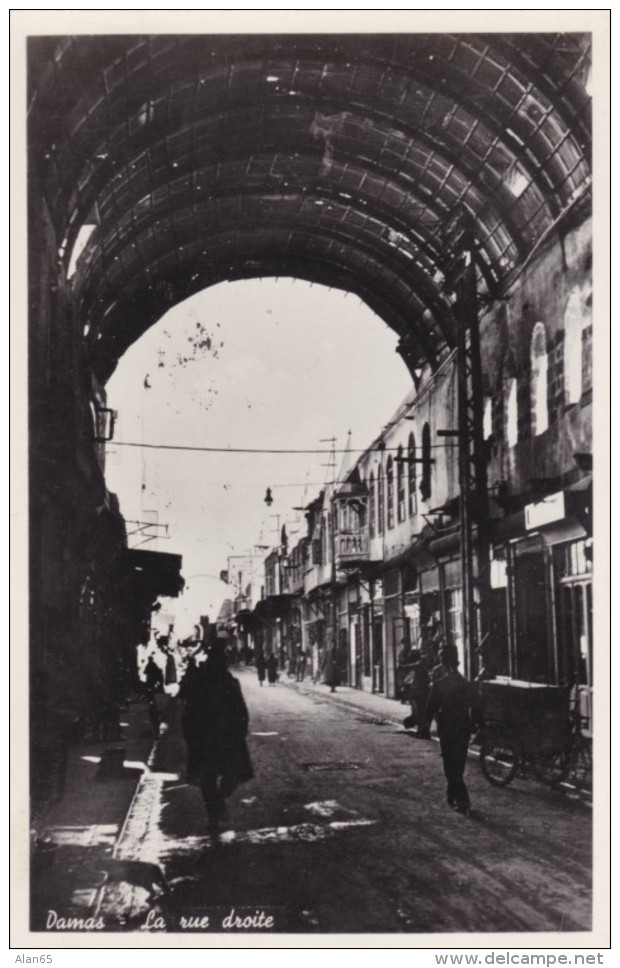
[[351, 547]]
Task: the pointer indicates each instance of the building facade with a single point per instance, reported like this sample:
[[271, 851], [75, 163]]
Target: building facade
[[381, 560]]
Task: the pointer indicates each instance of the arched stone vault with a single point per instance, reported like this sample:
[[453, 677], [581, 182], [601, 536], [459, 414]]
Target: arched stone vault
[[337, 159]]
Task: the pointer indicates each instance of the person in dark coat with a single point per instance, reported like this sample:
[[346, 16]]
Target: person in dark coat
[[260, 667], [420, 688], [153, 677], [272, 669], [215, 725], [330, 671], [406, 658], [301, 665], [452, 701]]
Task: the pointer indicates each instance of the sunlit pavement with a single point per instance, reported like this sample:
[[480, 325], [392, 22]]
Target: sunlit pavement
[[345, 829], [77, 834]]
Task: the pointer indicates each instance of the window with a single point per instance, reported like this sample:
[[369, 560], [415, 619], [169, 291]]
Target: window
[[390, 492], [400, 484], [371, 504], [380, 502], [454, 604], [325, 536], [425, 483], [487, 418], [586, 359], [512, 414], [412, 475], [539, 408], [576, 323], [317, 550]]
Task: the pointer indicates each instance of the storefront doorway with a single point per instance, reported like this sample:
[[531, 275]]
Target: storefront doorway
[[531, 615], [572, 567]]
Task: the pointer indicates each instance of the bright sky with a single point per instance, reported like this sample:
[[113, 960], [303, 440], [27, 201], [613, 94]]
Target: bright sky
[[260, 364]]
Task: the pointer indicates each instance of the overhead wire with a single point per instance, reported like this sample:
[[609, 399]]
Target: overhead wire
[[258, 450]]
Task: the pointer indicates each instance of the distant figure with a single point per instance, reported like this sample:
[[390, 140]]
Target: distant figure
[[404, 662], [191, 668], [453, 702], [419, 692], [272, 669], [215, 725], [153, 676], [260, 667], [301, 665], [171, 668], [330, 671]]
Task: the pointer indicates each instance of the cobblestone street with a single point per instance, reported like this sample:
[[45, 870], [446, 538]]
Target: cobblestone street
[[345, 829]]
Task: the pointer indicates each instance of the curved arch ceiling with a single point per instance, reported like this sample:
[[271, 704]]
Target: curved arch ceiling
[[338, 159]]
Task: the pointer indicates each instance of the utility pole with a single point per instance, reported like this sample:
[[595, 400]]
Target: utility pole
[[462, 280]]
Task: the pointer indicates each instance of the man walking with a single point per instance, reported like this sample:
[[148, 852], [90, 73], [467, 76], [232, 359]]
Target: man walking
[[453, 703], [301, 665]]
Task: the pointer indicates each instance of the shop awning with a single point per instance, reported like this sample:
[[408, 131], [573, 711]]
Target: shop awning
[[158, 570], [274, 606]]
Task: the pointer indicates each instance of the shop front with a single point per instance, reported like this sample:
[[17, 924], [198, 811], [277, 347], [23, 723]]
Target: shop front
[[563, 523], [394, 628], [572, 566], [540, 599]]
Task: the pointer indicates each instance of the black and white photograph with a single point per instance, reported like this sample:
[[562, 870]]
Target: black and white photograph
[[310, 394]]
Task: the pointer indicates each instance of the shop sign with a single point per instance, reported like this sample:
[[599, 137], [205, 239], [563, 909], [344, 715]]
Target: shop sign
[[544, 512]]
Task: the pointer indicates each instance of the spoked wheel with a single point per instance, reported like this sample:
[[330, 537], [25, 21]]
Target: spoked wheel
[[581, 765], [499, 760], [551, 768]]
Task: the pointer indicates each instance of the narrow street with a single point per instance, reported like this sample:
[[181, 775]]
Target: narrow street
[[345, 829]]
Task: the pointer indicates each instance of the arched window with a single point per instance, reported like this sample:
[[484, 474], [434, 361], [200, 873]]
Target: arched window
[[487, 418], [425, 483], [371, 504], [577, 322], [380, 502], [362, 509], [512, 413], [400, 484], [390, 492], [326, 538], [539, 408], [413, 503]]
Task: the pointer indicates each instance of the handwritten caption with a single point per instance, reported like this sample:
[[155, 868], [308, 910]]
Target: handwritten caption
[[215, 919]]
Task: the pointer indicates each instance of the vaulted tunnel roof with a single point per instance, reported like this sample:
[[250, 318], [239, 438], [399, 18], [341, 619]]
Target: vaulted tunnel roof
[[337, 159]]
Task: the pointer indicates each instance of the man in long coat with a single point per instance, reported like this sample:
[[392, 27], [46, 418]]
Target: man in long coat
[[215, 725], [452, 701], [331, 675], [261, 666]]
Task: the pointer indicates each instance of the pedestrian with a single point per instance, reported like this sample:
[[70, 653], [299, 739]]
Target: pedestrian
[[301, 665], [191, 668], [403, 669], [420, 687], [272, 669], [452, 701], [171, 668], [153, 677], [330, 670], [260, 667], [215, 725]]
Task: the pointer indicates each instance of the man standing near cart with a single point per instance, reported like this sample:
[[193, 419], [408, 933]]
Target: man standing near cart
[[452, 701]]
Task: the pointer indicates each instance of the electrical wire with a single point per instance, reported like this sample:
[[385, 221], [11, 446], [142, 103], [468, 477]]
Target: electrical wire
[[258, 450]]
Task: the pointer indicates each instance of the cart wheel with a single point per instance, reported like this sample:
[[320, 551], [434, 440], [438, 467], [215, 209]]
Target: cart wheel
[[551, 768], [581, 765], [499, 760]]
